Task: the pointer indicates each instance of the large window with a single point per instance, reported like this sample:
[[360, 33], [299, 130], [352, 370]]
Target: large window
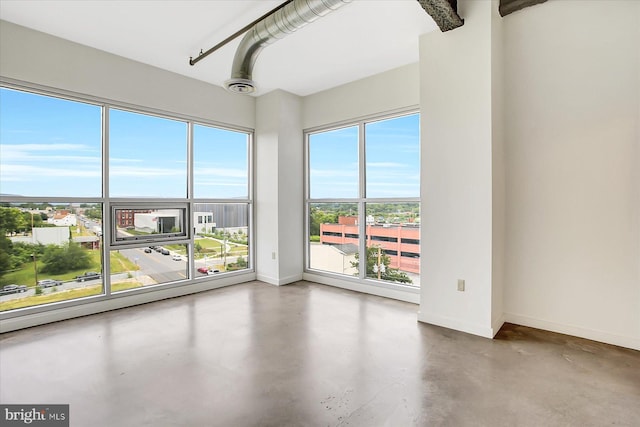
[[147, 156], [97, 201], [363, 194], [50, 147], [221, 161]]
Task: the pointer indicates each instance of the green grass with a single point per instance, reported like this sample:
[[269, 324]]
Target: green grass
[[50, 297], [65, 295], [83, 231], [25, 275], [121, 264], [216, 245]]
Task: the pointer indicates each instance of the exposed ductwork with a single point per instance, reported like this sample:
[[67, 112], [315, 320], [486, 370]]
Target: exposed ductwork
[[285, 21]]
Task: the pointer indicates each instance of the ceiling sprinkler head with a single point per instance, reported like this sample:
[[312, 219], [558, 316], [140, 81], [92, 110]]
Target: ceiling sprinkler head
[[241, 86]]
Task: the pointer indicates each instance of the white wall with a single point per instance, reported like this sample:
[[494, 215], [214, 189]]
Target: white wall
[[39, 58], [279, 188], [456, 177], [392, 90], [572, 85]]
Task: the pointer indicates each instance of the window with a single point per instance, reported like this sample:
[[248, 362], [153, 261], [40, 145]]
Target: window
[[149, 223], [333, 163], [170, 205], [331, 233], [328, 250], [221, 161], [49, 147], [410, 241], [222, 244], [147, 156], [364, 180], [49, 252], [383, 238]]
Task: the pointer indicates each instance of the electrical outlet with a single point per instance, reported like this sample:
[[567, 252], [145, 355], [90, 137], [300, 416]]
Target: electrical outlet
[[461, 285]]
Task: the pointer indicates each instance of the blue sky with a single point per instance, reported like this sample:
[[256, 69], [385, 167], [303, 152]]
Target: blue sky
[[392, 160], [52, 147], [48, 147]]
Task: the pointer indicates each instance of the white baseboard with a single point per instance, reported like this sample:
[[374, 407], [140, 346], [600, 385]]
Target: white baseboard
[[267, 279], [279, 282], [497, 324], [290, 279], [448, 322], [591, 334]]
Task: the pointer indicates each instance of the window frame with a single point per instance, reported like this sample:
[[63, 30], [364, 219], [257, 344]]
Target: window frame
[[108, 213], [168, 238], [361, 200]]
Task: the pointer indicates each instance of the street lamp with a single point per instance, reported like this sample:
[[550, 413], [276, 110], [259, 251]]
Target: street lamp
[[379, 267], [225, 250]]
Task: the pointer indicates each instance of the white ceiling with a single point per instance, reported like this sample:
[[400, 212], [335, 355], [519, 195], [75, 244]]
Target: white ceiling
[[362, 38]]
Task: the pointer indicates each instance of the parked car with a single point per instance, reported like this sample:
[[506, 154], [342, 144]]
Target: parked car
[[147, 250], [176, 257], [89, 275], [12, 289], [207, 270], [164, 251], [47, 283], [158, 249]]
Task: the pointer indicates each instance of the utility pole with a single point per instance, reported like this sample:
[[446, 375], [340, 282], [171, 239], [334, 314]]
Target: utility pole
[[35, 258], [35, 267]]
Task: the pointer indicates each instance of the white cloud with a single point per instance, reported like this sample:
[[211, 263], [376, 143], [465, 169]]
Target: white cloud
[[39, 153], [333, 173], [386, 165], [122, 171], [30, 173], [223, 172]]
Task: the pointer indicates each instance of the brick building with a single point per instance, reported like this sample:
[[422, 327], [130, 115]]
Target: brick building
[[401, 242]]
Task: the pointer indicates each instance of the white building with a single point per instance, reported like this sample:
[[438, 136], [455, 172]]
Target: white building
[[63, 219], [203, 222], [161, 221], [50, 235]]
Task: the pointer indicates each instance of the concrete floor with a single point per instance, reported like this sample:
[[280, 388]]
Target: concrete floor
[[311, 355]]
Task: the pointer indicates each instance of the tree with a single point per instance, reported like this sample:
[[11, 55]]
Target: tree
[[11, 220], [64, 258], [93, 213], [5, 254], [388, 274], [318, 216], [242, 263]]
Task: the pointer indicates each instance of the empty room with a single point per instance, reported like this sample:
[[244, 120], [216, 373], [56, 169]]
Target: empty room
[[320, 213]]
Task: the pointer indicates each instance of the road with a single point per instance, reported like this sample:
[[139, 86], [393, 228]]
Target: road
[[161, 268], [64, 286]]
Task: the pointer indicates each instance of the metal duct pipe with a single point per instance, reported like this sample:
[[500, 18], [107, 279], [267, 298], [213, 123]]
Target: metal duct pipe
[[274, 27]]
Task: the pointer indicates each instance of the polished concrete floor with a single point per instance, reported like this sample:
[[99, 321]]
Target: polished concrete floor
[[311, 355]]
